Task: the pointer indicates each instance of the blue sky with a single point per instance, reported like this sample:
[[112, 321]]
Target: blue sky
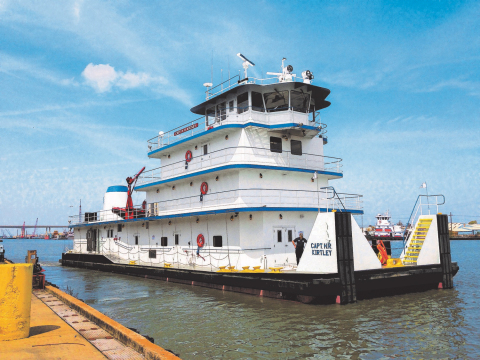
[[84, 85]]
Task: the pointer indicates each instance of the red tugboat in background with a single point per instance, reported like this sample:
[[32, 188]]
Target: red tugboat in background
[[129, 212]]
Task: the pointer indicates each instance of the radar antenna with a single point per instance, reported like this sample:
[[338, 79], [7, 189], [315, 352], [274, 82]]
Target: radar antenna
[[246, 64]]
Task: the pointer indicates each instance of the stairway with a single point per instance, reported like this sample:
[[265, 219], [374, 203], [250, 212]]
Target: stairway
[[416, 243]]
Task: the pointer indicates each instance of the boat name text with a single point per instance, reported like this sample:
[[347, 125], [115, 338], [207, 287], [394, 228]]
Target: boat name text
[[322, 249], [185, 129]]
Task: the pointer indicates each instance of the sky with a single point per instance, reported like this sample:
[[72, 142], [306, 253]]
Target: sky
[[85, 84]]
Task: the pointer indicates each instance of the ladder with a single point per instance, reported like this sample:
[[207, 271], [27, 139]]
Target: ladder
[[416, 243]]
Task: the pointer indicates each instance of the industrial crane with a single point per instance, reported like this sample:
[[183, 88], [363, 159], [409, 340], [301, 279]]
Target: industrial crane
[[35, 229], [23, 231]]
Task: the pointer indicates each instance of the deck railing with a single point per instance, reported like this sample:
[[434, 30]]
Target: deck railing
[[424, 205], [239, 198], [223, 87], [242, 155], [232, 116]]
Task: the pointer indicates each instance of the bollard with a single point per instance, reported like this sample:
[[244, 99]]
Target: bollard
[[15, 300]]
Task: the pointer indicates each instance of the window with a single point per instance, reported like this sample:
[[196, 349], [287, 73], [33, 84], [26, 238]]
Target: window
[[119, 227], [111, 233], [296, 147], [279, 235], [230, 105], [177, 238], [136, 239], [147, 225], [217, 241], [221, 111], [300, 101], [242, 103], [205, 149], [275, 144], [290, 235], [164, 241], [257, 102], [210, 116], [152, 254], [276, 101]]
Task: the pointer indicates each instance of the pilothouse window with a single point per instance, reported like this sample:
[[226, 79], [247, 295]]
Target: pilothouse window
[[257, 102], [300, 101], [210, 116], [221, 111], [242, 103], [276, 101]]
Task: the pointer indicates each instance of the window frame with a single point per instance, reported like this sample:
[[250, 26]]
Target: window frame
[[256, 108], [296, 152], [240, 107], [279, 151], [216, 239], [298, 109], [278, 108]]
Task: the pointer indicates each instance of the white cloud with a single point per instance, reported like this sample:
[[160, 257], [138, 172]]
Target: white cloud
[[103, 77], [100, 77]]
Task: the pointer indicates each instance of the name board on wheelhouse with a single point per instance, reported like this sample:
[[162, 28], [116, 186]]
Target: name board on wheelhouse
[[191, 127]]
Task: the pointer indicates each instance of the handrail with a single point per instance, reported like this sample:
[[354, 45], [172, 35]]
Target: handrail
[[164, 139], [249, 80], [418, 206], [297, 200], [336, 194], [329, 163]]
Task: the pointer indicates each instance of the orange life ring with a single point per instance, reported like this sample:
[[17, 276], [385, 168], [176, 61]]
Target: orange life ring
[[188, 156], [200, 240], [382, 252], [204, 188]]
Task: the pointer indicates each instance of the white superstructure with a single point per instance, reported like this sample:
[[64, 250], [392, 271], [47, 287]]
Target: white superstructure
[[384, 227], [246, 176]]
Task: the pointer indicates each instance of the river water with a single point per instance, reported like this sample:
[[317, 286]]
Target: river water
[[201, 323]]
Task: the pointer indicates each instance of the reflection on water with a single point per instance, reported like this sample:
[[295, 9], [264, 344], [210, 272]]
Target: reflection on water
[[205, 323]]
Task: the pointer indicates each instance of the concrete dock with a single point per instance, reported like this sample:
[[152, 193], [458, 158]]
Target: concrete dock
[[63, 327]]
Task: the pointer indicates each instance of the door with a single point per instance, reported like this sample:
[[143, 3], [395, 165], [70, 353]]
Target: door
[[289, 235], [282, 239], [92, 240]]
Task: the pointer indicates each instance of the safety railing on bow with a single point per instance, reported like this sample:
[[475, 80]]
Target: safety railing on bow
[[242, 155], [341, 201], [423, 206], [324, 199], [237, 115]]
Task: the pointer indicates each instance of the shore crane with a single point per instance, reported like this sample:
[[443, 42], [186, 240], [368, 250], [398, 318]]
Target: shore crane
[[35, 229]]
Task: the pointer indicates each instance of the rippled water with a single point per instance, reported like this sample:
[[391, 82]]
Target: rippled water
[[200, 323]]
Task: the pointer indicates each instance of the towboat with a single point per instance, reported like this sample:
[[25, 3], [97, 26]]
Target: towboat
[[384, 227], [230, 193]]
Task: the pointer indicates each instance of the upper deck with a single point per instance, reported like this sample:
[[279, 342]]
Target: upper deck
[[292, 105]]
